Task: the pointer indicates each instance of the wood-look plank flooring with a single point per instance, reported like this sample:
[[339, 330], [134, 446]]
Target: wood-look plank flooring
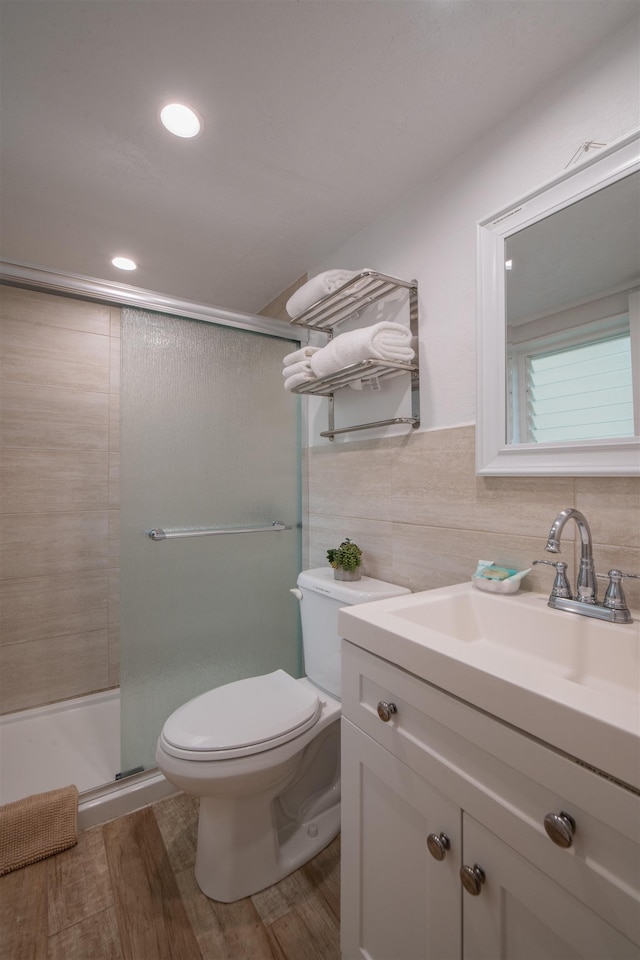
[[127, 892]]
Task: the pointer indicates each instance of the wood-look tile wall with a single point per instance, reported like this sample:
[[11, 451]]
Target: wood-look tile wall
[[59, 420], [423, 518]]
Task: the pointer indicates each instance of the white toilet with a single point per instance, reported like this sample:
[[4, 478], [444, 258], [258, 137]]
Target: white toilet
[[263, 754]]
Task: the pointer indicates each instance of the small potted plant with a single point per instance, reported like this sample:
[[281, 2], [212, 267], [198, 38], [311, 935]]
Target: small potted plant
[[346, 561]]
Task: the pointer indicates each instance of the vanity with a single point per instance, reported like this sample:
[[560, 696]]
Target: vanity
[[491, 780]]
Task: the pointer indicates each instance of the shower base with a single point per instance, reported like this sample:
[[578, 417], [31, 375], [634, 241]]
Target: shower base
[[74, 741]]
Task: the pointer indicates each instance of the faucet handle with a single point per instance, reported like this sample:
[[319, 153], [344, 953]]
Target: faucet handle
[[614, 598], [560, 586]]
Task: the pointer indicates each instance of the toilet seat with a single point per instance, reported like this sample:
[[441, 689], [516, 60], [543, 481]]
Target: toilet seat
[[241, 718]]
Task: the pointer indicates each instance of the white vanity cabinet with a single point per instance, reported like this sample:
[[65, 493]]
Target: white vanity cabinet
[[442, 776]]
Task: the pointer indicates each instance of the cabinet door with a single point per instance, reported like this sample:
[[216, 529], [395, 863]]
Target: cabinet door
[[398, 901], [521, 914]]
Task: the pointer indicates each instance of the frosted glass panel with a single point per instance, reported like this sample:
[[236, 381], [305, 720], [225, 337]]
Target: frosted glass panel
[[209, 439]]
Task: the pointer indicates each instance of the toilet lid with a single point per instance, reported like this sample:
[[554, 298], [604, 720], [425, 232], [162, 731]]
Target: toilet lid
[[240, 718]]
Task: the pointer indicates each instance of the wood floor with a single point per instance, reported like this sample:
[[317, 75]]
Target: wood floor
[[127, 892]]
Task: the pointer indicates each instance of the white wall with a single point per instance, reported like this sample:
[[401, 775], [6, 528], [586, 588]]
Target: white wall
[[431, 236]]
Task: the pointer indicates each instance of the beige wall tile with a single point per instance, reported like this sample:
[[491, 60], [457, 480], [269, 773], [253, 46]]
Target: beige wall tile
[[52, 480], [31, 306], [59, 477], [434, 482], [114, 365], [114, 656], [114, 538], [40, 607], [37, 545], [372, 536], [114, 597], [351, 481], [53, 417], [612, 507], [425, 558], [115, 321], [444, 518], [626, 559], [114, 424], [114, 479], [43, 671], [52, 356]]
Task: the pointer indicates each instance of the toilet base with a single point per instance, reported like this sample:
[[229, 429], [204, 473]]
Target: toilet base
[[249, 842], [238, 852]]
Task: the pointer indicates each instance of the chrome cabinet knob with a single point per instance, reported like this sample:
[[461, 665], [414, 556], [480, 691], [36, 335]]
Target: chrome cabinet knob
[[386, 710], [438, 844], [560, 828], [472, 879]]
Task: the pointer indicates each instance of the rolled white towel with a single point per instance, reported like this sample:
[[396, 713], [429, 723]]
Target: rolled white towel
[[317, 288], [297, 379], [302, 354], [382, 341], [303, 366]]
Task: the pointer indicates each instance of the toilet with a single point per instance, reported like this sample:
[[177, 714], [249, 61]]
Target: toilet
[[263, 754]]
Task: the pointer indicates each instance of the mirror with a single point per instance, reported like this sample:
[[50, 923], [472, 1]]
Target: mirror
[[559, 325]]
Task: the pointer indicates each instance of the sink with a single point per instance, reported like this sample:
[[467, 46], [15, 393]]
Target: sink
[[569, 680], [591, 652]]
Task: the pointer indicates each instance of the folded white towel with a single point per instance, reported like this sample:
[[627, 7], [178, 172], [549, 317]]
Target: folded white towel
[[382, 341], [302, 354], [317, 288], [293, 369], [297, 379]]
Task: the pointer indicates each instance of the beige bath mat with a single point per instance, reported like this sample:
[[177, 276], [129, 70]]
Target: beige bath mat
[[37, 827]]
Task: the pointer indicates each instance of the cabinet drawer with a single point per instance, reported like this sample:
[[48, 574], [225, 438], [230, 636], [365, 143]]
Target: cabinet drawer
[[507, 781]]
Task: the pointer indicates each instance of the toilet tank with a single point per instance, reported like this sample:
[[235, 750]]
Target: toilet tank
[[322, 597]]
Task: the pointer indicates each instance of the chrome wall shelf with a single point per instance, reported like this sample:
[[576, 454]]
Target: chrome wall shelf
[[349, 301], [366, 370], [366, 288]]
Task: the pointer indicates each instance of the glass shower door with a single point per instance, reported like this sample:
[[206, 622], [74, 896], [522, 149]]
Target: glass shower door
[[209, 439]]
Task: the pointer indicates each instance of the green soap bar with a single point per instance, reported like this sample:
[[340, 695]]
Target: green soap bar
[[497, 573]]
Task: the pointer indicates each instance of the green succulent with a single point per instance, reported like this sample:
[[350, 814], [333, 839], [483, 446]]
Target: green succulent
[[348, 556]]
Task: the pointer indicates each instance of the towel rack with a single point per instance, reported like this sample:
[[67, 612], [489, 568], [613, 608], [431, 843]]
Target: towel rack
[[359, 293], [159, 534]]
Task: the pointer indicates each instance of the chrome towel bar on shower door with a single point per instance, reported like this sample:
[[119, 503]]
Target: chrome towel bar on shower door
[[159, 534]]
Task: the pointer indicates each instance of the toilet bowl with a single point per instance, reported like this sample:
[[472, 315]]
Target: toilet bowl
[[263, 754]]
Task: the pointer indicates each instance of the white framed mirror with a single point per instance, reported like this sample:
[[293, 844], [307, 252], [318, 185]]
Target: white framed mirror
[[558, 330]]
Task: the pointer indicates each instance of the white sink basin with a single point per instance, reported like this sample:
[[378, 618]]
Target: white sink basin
[[570, 680], [587, 651]]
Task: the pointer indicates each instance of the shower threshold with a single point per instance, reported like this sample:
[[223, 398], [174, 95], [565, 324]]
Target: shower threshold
[[74, 741]]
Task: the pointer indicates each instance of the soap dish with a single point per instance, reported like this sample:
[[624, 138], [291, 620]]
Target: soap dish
[[496, 586]]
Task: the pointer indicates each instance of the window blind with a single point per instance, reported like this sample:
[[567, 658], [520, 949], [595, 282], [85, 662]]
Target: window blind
[[582, 392]]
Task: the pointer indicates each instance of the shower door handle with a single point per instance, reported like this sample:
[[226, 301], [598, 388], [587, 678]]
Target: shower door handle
[[159, 534]]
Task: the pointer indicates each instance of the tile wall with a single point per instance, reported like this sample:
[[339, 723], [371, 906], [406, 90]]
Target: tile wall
[[423, 518], [59, 421]]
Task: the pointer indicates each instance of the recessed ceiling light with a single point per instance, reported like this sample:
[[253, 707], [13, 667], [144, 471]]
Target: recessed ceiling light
[[124, 263], [180, 120]]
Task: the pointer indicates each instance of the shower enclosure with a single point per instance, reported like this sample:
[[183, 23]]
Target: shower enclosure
[[210, 442], [210, 459]]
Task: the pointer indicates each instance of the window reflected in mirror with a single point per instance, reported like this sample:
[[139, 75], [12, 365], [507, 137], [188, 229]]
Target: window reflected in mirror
[[572, 292]]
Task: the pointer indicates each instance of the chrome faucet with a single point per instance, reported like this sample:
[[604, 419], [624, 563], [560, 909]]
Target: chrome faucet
[[614, 606], [586, 588]]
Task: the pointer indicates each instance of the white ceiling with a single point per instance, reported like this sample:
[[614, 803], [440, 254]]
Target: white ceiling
[[319, 115]]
